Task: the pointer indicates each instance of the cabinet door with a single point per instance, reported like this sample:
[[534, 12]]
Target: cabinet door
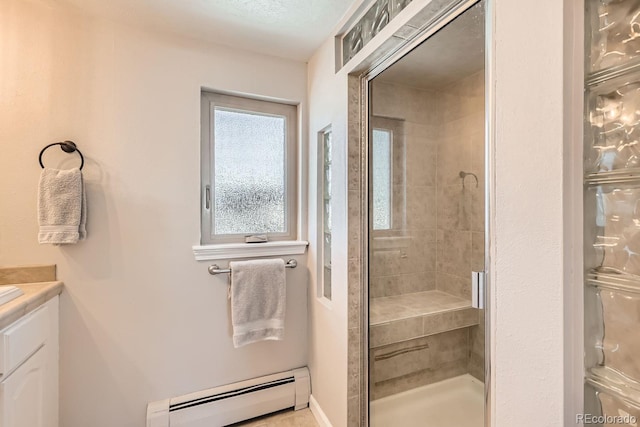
[[22, 394]]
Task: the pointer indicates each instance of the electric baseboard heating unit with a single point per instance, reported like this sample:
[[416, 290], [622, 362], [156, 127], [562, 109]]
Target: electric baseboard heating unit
[[232, 403]]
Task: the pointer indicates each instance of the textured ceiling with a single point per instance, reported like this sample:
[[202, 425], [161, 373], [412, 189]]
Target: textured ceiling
[[454, 52], [291, 29]]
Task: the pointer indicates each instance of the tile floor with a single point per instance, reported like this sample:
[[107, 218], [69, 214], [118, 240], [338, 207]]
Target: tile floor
[[287, 418]]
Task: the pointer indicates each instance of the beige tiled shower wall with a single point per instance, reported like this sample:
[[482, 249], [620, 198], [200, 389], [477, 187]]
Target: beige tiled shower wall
[[355, 219], [437, 234], [404, 257], [460, 203], [461, 208]]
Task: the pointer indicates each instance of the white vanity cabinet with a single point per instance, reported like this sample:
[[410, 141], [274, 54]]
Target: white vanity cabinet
[[29, 369]]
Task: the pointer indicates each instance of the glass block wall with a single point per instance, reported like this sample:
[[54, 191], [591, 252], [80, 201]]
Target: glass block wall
[[374, 20], [326, 213], [612, 211]]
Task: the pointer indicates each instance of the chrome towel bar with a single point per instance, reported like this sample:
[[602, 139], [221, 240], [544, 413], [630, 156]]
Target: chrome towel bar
[[214, 269]]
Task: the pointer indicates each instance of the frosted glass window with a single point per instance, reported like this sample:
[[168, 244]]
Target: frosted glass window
[[248, 169], [382, 159], [249, 165]]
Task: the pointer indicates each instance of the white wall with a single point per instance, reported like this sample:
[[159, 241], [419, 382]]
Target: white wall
[[327, 94], [140, 319], [528, 208]]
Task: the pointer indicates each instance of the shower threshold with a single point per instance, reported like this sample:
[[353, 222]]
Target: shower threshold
[[434, 405]]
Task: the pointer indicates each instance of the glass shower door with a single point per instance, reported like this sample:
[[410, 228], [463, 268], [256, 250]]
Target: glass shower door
[[612, 212], [426, 232]]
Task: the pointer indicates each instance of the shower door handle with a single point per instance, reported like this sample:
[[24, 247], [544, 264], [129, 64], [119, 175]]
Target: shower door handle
[[477, 289]]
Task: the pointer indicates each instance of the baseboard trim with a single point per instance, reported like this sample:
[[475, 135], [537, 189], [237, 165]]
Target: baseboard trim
[[318, 413]]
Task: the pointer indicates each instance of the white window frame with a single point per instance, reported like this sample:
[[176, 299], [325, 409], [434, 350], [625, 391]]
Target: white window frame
[[211, 100]]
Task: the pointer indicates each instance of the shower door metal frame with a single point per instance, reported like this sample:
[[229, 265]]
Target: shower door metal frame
[[446, 16]]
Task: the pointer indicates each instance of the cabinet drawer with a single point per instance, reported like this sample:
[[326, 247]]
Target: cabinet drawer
[[22, 339]]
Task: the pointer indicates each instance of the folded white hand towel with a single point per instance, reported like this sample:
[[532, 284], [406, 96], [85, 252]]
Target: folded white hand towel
[[62, 206], [258, 300]]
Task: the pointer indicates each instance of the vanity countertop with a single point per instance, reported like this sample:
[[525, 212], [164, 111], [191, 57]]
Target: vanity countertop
[[39, 285], [35, 294]]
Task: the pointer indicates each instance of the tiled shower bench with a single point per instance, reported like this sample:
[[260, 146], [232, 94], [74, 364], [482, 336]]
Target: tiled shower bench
[[417, 339]]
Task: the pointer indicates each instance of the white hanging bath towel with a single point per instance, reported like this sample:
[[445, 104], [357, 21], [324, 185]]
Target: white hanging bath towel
[[258, 300], [62, 207]]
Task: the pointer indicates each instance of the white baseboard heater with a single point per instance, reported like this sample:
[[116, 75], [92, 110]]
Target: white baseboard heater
[[232, 403]]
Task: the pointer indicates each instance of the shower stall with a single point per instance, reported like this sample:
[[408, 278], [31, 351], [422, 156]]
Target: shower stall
[[426, 230]]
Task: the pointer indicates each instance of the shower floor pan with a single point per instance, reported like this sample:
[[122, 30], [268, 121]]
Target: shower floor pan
[[455, 402]]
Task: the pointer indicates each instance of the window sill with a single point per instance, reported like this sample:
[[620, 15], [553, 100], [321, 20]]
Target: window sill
[[249, 250]]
